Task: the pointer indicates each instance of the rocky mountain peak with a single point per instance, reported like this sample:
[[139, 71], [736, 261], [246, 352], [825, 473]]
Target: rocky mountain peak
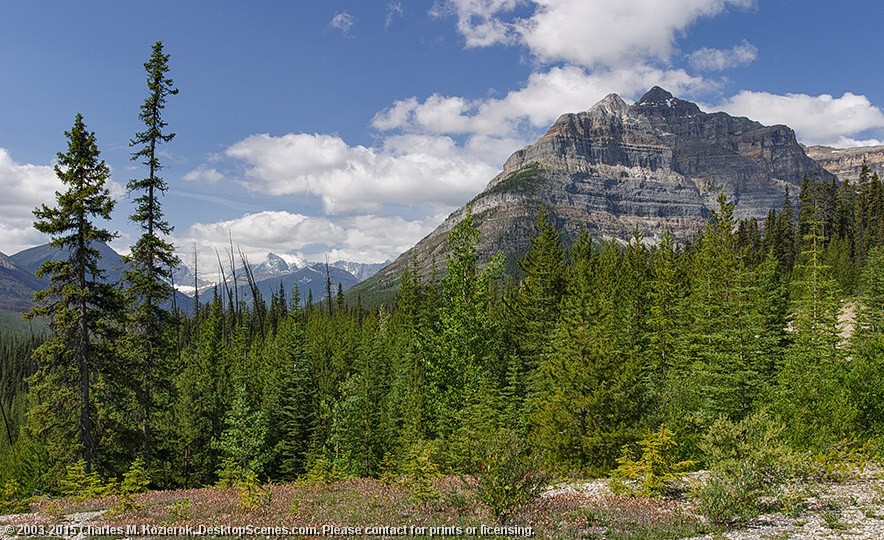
[[612, 103], [656, 165], [275, 262], [658, 101]]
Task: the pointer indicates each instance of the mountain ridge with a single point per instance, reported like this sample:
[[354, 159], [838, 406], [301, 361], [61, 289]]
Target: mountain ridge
[[658, 164]]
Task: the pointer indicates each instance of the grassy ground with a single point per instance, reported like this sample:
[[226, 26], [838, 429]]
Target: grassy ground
[[374, 508]]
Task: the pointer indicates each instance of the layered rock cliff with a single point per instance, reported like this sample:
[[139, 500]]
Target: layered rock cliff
[[846, 163], [655, 165]]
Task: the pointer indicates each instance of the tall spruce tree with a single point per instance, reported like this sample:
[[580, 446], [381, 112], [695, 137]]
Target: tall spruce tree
[[79, 303], [535, 304], [461, 348], [152, 259], [586, 393]]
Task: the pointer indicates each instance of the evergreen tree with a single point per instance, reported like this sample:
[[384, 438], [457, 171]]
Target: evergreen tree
[[363, 427], [665, 293], [81, 306], [867, 347], [152, 258], [536, 304], [715, 372], [293, 416], [586, 397], [813, 380], [459, 359]]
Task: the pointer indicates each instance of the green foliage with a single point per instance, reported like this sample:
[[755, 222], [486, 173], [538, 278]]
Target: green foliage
[[576, 356], [841, 461], [242, 442], [252, 495], [523, 180], [80, 485], [81, 306], [421, 471], [591, 374], [179, 510], [654, 470], [814, 388], [13, 498], [507, 479], [323, 471], [749, 463], [135, 480]]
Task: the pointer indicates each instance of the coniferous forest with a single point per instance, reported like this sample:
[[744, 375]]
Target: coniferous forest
[[753, 337]]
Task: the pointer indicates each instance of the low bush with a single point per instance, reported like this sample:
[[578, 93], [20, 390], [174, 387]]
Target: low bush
[[750, 470], [507, 479], [653, 470]]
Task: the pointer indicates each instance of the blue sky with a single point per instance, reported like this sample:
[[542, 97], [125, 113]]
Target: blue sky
[[352, 128]]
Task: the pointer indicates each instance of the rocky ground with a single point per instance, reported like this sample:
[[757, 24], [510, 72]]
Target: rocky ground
[[851, 509]]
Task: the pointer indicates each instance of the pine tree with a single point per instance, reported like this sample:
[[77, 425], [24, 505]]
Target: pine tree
[[867, 347], [665, 293], [294, 415], [152, 259], [80, 304], [715, 372]]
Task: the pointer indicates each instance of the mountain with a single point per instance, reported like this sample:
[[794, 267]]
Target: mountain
[[657, 164], [362, 271], [31, 259], [111, 263], [17, 286], [310, 278], [845, 163], [273, 266]]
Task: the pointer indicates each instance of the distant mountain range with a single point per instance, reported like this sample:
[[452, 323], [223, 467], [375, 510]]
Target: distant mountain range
[[18, 281], [310, 280], [18, 295]]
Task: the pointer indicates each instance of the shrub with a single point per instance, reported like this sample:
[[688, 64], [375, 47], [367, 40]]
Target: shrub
[[12, 498], [252, 495], [135, 480], [230, 474], [81, 486], [180, 510], [421, 471], [506, 479], [322, 471], [729, 500], [654, 470], [750, 469], [841, 461]]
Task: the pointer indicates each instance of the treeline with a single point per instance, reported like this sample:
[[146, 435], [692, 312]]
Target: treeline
[[582, 354]]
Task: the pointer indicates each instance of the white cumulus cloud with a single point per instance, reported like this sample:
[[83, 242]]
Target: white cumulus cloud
[[360, 238], [544, 97], [590, 33], [24, 187], [409, 169], [822, 119], [706, 59], [480, 21]]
